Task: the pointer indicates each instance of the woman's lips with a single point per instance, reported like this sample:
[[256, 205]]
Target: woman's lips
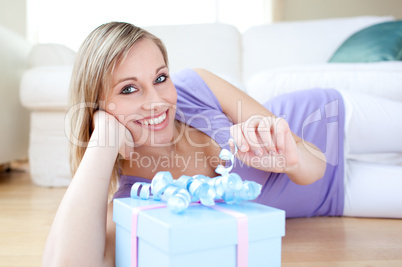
[[158, 122]]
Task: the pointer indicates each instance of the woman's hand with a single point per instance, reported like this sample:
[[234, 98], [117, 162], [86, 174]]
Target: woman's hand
[[112, 133], [266, 143]]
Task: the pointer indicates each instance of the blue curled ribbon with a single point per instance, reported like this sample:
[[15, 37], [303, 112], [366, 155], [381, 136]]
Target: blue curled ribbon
[[179, 193]]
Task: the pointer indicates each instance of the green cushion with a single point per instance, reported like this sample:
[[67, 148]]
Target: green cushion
[[380, 42]]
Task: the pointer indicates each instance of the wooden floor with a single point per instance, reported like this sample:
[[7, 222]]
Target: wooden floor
[[27, 211]]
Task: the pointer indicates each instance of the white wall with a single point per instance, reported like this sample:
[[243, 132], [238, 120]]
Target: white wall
[[13, 15], [68, 22], [291, 10]]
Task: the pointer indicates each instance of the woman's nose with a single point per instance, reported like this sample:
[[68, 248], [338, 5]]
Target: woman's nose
[[152, 100]]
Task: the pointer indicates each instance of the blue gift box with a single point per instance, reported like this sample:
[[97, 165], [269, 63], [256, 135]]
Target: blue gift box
[[198, 237]]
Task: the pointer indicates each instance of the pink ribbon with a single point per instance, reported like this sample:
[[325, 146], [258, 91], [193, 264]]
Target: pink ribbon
[[242, 232], [134, 226]]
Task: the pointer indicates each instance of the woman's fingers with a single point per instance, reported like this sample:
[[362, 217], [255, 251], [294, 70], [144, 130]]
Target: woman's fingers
[[236, 132], [261, 135], [271, 135], [281, 130], [252, 135], [247, 135], [113, 132], [246, 138], [126, 142], [266, 133]]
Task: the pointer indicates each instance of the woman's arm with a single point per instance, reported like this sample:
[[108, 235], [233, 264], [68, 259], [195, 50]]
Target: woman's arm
[[262, 137], [82, 233]]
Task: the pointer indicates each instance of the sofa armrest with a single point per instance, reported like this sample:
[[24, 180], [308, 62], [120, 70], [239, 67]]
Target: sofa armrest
[[46, 88]]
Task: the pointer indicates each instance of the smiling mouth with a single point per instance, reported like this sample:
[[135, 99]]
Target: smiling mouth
[[153, 121]]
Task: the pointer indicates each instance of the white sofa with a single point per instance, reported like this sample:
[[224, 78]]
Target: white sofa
[[14, 118], [264, 61]]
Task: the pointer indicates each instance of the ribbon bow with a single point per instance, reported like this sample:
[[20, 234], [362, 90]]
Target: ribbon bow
[[179, 193]]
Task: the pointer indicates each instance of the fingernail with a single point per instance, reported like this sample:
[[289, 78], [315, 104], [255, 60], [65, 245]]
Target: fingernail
[[258, 152], [232, 146], [230, 143], [243, 148]]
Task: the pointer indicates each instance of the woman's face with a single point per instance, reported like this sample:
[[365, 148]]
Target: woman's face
[[142, 95]]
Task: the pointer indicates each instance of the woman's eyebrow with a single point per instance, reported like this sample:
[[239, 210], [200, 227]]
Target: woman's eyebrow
[[135, 78]]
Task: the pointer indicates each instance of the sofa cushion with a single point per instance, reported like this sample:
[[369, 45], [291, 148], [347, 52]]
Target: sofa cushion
[[379, 78], [296, 43], [379, 42]]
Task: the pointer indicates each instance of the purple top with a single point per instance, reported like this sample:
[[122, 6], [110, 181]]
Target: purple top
[[316, 115]]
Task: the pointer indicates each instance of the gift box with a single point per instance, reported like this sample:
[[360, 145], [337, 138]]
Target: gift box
[[223, 235]]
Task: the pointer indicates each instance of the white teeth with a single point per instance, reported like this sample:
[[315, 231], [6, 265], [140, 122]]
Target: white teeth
[[154, 121]]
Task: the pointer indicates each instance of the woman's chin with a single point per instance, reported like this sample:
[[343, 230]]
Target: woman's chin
[[154, 135], [156, 140]]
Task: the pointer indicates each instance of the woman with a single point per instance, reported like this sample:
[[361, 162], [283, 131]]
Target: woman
[[126, 103]]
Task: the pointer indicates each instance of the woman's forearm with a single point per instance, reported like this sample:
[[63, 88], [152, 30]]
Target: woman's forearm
[[78, 233]]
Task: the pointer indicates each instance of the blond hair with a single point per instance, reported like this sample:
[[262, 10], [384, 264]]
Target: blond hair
[[96, 59]]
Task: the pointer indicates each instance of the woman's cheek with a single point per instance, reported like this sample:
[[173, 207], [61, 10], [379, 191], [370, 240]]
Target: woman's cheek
[[119, 112], [171, 95], [137, 133]]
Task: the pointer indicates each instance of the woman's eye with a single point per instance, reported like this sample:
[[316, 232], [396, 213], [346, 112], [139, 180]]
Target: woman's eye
[[160, 79], [129, 89]]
